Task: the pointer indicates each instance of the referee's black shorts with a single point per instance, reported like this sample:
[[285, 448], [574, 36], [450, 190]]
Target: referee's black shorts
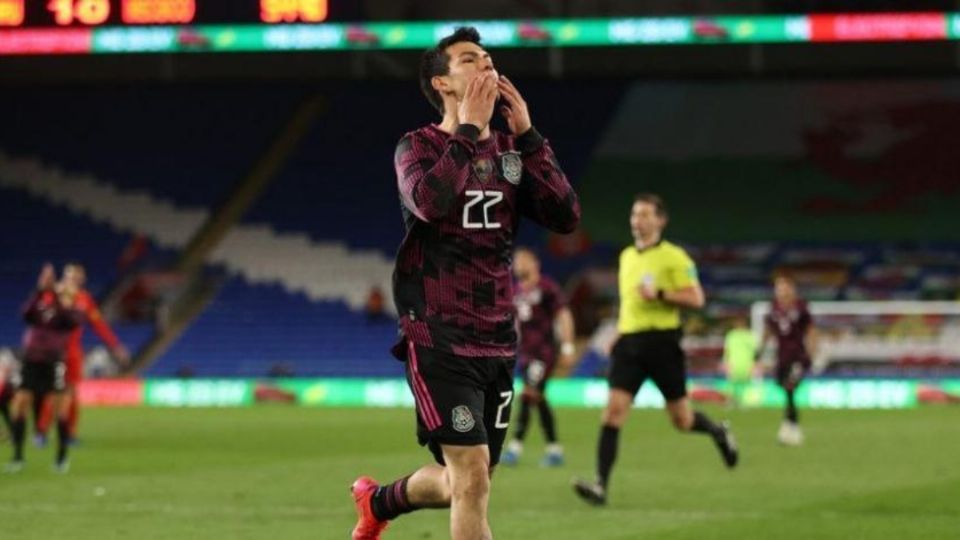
[[653, 354]]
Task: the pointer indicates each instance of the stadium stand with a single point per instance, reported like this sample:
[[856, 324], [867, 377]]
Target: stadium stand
[[299, 262]]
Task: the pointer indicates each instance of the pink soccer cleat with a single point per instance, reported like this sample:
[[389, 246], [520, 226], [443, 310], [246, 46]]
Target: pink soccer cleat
[[368, 526]]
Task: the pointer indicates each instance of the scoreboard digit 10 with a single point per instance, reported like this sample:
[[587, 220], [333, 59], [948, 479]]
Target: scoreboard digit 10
[[89, 13]]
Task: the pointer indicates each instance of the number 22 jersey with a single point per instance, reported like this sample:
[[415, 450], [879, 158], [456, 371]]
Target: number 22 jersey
[[461, 202]]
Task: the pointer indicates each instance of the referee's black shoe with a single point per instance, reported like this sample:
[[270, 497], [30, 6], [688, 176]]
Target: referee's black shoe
[[590, 491], [727, 445]]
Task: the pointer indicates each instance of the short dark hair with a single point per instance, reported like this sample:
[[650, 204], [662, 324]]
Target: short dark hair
[[435, 62], [652, 198], [525, 249], [785, 276]]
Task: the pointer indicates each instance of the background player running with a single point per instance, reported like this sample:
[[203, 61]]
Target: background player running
[[656, 280], [790, 322], [544, 318], [463, 188], [50, 318]]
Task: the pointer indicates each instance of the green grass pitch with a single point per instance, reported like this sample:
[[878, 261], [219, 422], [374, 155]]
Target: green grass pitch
[[283, 473]]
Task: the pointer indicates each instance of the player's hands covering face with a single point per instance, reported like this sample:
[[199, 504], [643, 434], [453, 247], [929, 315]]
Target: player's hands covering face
[[476, 107], [515, 111]]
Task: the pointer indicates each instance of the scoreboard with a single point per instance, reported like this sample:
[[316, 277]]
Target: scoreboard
[[47, 27], [94, 13]]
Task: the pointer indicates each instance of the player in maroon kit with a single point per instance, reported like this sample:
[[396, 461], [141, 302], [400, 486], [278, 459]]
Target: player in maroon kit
[[76, 275], [50, 318], [541, 308], [463, 188], [790, 322]]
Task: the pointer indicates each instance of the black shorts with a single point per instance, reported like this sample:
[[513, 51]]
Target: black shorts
[[41, 378], [536, 373], [460, 401], [6, 394], [655, 355], [791, 371]]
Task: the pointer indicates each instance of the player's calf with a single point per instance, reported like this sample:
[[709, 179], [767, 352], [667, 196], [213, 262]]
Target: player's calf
[[468, 470], [469, 482], [686, 419]]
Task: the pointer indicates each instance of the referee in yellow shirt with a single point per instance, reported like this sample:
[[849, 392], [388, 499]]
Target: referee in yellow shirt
[[657, 279]]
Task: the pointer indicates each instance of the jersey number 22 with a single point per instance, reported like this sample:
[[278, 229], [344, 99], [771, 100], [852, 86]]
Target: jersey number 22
[[488, 198]]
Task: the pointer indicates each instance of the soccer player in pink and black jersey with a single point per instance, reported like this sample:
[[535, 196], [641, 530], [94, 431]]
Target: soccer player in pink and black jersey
[[463, 187], [791, 324], [545, 320]]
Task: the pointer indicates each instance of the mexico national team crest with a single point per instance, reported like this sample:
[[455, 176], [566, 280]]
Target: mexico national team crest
[[512, 166], [463, 419]]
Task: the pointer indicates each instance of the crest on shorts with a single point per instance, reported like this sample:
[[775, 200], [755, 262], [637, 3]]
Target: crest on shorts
[[512, 166], [463, 419], [483, 168]]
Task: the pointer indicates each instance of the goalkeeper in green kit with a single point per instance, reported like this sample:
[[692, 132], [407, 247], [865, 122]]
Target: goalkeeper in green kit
[[739, 357]]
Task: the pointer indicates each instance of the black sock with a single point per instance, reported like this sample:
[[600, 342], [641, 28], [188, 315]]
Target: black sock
[[523, 420], [37, 414], [63, 439], [18, 429], [703, 424], [5, 413], [546, 420], [607, 453], [791, 412], [390, 500]]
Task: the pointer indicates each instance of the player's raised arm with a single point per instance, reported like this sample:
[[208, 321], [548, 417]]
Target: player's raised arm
[[759, 367], [100, 326], [431, 177], [691, 297], [566, 333], [811, 338], [32, 310], [685, 290], [546, 195]]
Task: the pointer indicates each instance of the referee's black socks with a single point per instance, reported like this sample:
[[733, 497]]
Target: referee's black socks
[[702, 424], [607, 452]]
